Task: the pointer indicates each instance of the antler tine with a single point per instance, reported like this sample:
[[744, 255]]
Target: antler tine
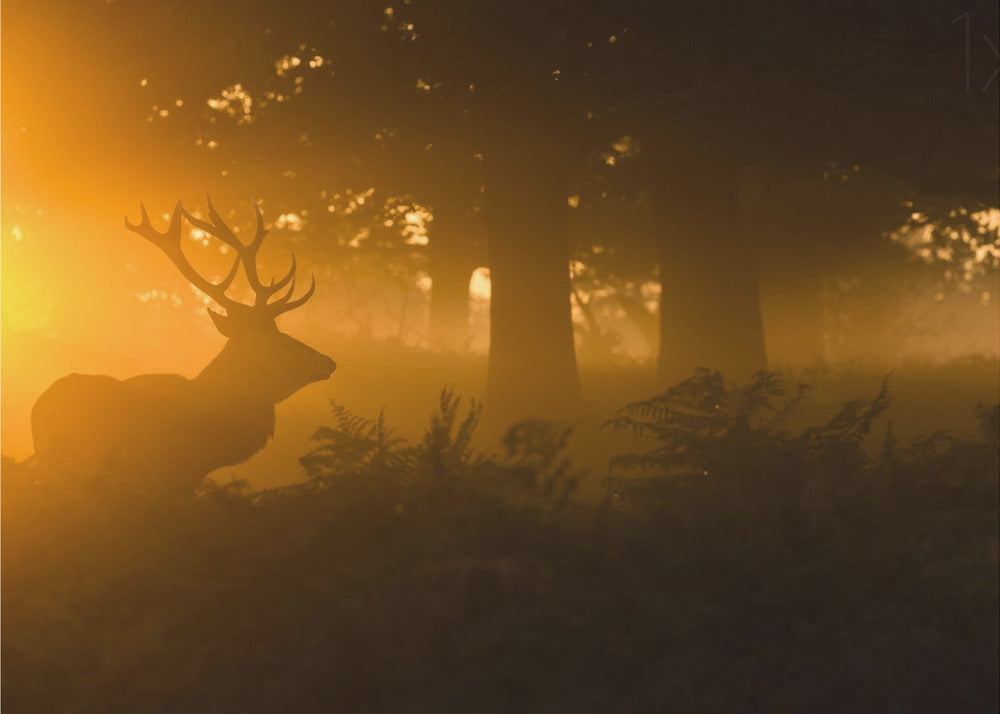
[[228, 280], [219, 229], [290, 275], [248, 252], [287, 296], [283, 304], [262, 291], [215, 227], [169, 242], [143, 220], [146, 230], [261, 230]]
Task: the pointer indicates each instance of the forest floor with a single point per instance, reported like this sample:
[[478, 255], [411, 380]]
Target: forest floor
[[756, 567]]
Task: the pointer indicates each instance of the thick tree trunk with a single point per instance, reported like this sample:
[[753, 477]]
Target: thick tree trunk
[[709, 306], [532, 364]]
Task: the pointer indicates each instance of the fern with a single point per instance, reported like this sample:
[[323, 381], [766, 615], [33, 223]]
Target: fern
[[853, 422], [444, 454], [532, 469], [700, 421], [356, 446], [535, 456]]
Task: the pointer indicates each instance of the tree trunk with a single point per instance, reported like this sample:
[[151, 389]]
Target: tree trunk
[[709, 305], [453, 185], [794, 313], [453, 258], [532, 363]]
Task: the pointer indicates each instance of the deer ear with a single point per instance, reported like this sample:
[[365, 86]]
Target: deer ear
[[221, 322]]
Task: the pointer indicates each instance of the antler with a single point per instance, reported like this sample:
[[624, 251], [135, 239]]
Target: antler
[[169, 243]]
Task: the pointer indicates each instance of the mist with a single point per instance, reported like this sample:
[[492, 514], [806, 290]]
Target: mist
[[659, 277]]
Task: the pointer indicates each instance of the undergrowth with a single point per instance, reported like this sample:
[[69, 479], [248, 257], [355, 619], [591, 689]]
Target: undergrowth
[[735, 565]]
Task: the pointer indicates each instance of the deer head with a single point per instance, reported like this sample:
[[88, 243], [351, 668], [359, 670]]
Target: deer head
[[258, 359]]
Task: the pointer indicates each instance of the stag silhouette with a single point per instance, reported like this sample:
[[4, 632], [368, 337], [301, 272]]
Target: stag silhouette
[[168, 432]]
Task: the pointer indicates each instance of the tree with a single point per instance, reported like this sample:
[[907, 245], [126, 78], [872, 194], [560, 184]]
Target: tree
[[851, 85]]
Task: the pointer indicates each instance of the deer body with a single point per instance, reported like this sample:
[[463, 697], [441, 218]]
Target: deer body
[[155, 426], [169, 431]]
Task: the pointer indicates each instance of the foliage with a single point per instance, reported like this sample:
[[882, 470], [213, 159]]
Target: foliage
[[533, 460], [704, 424], [535, 454], [446, 454], [804, 572], [360, 447], [356, 446], [964, 244], [726, 457], [699, 421]]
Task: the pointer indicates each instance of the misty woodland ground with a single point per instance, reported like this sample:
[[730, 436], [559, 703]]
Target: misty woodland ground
[[753, 569]]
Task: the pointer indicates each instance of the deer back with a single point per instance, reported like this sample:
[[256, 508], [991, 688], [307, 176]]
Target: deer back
[[155, 427]]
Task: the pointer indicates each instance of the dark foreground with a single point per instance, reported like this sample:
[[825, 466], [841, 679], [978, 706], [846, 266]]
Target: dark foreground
[[766, 572]]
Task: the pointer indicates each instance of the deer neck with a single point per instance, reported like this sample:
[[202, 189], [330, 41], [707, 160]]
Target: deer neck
[[229, 392], [230, 377]]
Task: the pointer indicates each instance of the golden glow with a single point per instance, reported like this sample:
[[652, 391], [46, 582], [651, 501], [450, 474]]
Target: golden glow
[[293, 222], [480, 287], [969, 252], [424, 283], [159, 297], [415, 228], [27, 303], [284, 65], [235, 102], [81, 294]]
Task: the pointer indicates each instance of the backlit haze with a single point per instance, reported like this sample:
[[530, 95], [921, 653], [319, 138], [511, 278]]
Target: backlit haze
[[109, 105], [400, 356]]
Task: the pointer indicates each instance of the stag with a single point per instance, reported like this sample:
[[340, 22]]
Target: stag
[[168, 430]]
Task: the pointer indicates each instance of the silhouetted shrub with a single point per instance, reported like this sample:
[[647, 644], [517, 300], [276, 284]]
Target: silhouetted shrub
[[445, 454], [703, 422], [533, 459], [754, 566], [733, 441], [356, 446]]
